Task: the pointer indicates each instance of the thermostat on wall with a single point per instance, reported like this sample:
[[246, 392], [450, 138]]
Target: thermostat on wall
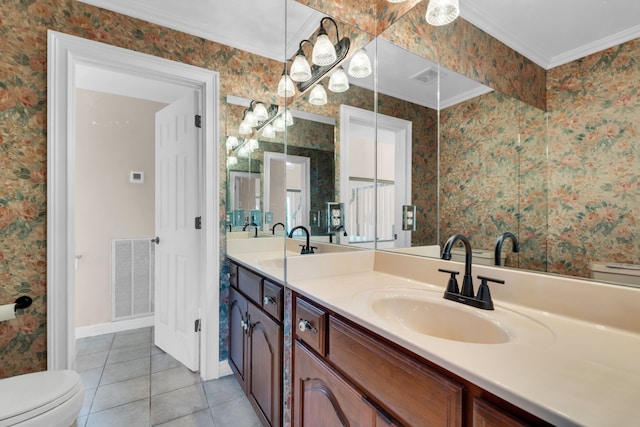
[[136, 177]]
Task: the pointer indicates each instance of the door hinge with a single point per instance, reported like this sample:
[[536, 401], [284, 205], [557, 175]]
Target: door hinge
[[197, 325], [198, 222], [198, 121]]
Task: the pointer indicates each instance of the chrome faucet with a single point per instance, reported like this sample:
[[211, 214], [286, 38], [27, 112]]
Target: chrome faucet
[[273, 229], [467, 281], [306, 248], [500, 240]]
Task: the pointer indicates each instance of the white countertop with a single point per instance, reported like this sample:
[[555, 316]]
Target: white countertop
[[558, 364]]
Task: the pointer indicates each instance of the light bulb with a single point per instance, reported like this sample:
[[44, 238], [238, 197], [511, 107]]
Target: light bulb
[[338, 82]]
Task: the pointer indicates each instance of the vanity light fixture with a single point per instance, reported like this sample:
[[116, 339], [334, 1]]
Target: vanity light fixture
[[286, 88], [442, 12], [338, 82], [250, 118], [288, 117], [318, 95], [325, 56], [244, 128], [232, 160], [300, 69], [360, 65], [253, 145], [244, 151]]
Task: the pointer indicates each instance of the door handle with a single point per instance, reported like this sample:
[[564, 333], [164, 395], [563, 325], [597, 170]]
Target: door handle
[[156, 240]]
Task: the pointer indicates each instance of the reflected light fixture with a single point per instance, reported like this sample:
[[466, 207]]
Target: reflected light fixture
[[339, 82], [260, 112], [244, 128], [232, 142], [324, 52], [360, 65], [442, 12], [250, 118], [268, 131], [244, 151], [232, 160], [278, 124], [288, 118], [253, 144], [286, 87], [300, 69], [318, 95]]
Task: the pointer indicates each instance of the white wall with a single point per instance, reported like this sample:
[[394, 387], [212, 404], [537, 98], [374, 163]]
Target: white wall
[[115, 135]]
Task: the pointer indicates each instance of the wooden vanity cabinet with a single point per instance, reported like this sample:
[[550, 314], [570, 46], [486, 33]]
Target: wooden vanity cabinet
[[348, 370], [255, 341]]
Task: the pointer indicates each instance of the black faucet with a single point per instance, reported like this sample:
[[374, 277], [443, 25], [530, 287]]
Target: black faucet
[[467, 281], [500, 240], [273, 229], [255, 228], [306, 249], [335, 230], [466, 295], [230, 228]]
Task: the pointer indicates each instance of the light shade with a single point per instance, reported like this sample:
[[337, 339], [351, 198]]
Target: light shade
[[250, 118], [442, 12], [232, 160], [288, 118], [285, 87], [260, 112], [268, 131], [244, 128], [244, 151], [278, 124], [324, 53], [339, 82], [300, 69], [232, 142], [253, 144], [318, 95], [360, 65]]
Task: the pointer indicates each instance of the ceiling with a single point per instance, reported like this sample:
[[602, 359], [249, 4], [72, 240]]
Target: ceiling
[[548, 32]]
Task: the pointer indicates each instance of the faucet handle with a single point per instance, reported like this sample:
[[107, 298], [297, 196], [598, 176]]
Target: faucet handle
[[452, 286], [483, 291], [311, 248]]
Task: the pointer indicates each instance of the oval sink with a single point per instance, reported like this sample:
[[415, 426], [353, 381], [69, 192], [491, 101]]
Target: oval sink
[[439, 320], [427, 312]]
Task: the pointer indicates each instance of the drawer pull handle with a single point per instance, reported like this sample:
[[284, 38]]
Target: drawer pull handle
[[304, 325], [268, 300]]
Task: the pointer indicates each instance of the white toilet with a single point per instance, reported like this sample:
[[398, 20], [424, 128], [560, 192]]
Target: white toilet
[[41, 399], [628, 274]]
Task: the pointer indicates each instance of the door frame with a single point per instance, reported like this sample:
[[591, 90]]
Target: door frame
[[65, 52], [402, 130]]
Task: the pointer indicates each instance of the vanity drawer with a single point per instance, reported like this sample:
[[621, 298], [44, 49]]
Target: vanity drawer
[[272, 295], [233, 275], [310, 325], [250, 284], [409, 390]]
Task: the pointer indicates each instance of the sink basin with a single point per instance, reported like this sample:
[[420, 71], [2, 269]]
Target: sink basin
[[272, 263], [426, 312]]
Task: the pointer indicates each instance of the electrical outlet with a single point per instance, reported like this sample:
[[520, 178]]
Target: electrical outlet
[[409, 218]]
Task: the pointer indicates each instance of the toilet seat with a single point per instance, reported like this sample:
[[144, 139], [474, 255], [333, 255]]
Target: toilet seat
[[48, 398]]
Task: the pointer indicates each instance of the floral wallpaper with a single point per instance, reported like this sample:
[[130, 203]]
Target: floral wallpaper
[[594, 160], [492, 153]]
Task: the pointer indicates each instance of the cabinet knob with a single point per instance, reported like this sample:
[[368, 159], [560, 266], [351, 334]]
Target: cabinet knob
[[268, 300], [304, 325]]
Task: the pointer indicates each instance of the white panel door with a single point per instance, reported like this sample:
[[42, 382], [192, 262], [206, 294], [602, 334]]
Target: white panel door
[[177, 262]]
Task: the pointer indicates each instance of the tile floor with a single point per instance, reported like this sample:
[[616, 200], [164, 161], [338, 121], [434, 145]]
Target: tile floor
[[130, 382]]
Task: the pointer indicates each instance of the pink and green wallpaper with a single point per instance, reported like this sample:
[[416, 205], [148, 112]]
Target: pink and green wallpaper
[[594, 160]]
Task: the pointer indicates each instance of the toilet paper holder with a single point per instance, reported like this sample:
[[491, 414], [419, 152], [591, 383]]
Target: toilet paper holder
[[23, 302]]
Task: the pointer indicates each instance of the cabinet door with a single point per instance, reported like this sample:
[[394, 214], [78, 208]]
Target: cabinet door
[[265, 365], [237, 335], [324, 399], [487, 415]]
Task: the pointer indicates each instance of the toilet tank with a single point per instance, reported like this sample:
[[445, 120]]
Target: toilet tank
[[478, 256], [628, 274]]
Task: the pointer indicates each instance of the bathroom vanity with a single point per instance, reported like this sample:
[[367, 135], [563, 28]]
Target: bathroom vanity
[[374, 343]]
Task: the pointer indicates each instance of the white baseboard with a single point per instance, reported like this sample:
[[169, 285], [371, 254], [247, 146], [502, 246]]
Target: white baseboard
[[112, 327]]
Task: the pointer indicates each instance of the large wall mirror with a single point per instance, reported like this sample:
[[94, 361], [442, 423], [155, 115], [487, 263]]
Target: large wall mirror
[[481, 157]]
